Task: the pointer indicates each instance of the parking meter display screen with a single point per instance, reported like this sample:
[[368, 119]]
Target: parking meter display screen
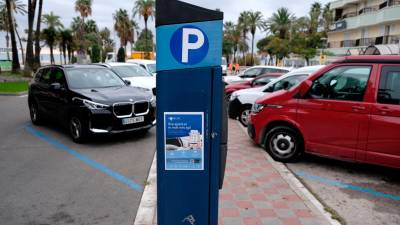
[[184, 141]]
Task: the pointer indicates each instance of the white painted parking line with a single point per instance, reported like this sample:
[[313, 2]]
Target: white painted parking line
[[22, 96]]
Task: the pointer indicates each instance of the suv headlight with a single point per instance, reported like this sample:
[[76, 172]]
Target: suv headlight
[[257, 108], [94, 105]]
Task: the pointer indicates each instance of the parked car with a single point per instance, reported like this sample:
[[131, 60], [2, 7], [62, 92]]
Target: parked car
[[256, 82], [349, 110], [241, 101], [149, 65], [89, 100], [253, 72], [135, 74]]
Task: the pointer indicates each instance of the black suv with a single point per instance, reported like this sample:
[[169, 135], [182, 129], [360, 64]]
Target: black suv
[[89, 99]]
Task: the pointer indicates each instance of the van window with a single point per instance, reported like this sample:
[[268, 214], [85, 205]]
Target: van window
[[389, 85], [346, 83]]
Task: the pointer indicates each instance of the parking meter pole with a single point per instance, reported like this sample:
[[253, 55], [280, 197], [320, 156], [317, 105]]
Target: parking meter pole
[[189, 113]]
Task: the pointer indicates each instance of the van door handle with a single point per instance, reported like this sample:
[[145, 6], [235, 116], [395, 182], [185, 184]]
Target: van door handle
[[385, 110], [358, 107]]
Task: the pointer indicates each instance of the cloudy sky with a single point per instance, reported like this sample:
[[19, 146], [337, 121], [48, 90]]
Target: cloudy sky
[[103, 10]]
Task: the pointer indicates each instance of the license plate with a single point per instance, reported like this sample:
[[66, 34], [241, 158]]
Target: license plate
[[132, 120]]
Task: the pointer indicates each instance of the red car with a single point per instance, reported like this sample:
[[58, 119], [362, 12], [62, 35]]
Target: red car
[[348, 110], [256, 82]]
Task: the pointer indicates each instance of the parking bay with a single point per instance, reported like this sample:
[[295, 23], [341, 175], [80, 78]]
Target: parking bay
[[45, 178]]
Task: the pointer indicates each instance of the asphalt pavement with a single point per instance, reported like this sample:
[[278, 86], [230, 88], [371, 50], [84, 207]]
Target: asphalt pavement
[[46, 179], [360, 194]]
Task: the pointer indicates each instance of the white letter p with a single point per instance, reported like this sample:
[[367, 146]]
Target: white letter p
[[186, 46]]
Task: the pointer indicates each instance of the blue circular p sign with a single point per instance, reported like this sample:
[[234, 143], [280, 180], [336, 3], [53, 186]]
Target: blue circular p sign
[[189, 45]]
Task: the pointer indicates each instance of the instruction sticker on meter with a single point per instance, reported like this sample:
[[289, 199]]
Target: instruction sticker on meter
[[184, 140]]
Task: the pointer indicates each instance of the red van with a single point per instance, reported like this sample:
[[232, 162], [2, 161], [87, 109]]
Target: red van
[[348, 110]]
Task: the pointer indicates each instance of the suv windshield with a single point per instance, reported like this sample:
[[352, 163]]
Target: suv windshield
[[84, 78], [130, 71]]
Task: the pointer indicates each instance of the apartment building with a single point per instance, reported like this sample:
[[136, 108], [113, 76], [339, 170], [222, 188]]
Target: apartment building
[[365, 27]]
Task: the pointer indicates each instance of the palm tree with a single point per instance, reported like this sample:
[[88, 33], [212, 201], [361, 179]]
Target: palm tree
[[36, 63], [91, 26], [4, 27], [280, 22], [52, 20], [123, 26], [234, 34], [145, 9], [84, 7], [255, 21], [244, 26], [65, 41], [29, 43], [49, 36], [10, 18], [327, 17], [315, 13]]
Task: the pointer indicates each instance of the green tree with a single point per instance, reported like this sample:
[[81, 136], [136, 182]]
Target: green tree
[[84, 8], [264, 47], [95, 55], [107, 43], [142, 43], [91, 26], [145, 9], [327, 18], [315, 14], [124, 27], [233, 34], [255, 21], [4, 27], [121, 55]]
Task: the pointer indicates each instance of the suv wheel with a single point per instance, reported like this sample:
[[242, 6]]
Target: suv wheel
[[34, 113], [244, 114], [78, 129], [284, 144]]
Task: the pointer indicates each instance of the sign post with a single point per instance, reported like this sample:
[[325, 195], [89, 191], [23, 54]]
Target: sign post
[[191, 139]]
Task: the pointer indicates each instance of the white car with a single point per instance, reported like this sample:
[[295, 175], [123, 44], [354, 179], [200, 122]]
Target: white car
[[241, 101], [253, 72], [136, 75], [149, 65]]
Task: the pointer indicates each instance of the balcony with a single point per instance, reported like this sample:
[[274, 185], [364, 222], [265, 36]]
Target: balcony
[[342, 3], [364, 42], [368, 17]]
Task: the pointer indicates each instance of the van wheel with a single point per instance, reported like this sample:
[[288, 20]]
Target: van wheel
[[34, 113], [284, 144], [244, 114], [78, 129]]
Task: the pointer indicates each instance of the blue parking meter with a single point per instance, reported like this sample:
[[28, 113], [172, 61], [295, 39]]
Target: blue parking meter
[[191, 122]]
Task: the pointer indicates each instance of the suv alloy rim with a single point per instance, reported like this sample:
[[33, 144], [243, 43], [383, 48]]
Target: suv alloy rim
[[283, 144], [33, 112], [75, 127]]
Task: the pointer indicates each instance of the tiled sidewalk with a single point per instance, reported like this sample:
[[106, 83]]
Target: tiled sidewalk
[[254, 193]]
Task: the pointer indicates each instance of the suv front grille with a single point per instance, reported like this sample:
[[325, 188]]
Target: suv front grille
[[122, 109], [141, 108]]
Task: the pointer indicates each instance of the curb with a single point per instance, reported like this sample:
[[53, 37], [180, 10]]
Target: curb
[[14, 94], [309, 199], [146, 213]]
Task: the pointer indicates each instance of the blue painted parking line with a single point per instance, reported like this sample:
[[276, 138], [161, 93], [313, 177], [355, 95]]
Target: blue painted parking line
[[98, 166], [347, 186]]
